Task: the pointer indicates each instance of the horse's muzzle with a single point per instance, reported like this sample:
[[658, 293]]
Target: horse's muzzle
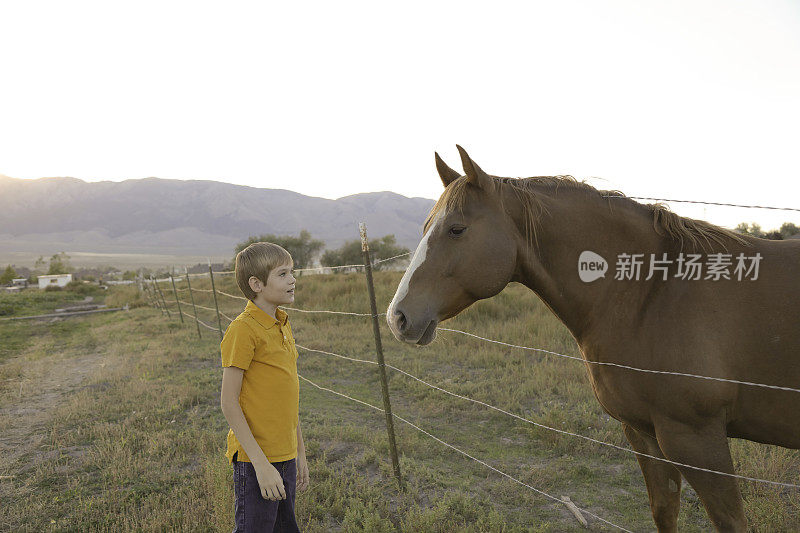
[[404, 330]]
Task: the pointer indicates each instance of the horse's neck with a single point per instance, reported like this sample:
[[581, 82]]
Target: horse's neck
[[575, 222]]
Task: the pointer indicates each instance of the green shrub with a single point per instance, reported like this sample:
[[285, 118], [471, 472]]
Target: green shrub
[[78, 287], [119, 295]]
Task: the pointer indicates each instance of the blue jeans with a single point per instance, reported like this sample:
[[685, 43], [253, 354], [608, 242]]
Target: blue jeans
[[255, 514]]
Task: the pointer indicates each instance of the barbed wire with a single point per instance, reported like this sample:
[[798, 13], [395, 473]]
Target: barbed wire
[[198, 305], [360, 265], [200, 321], [627, 367], [581, 359], [300, 310], [539, 491], [216, 272], [379, 261], [230, 295], [542, 350], [226, 272], [297, 309], [326, 267], [564, 432], [537, 424], [325, 311], [701, 202], [337, 355]]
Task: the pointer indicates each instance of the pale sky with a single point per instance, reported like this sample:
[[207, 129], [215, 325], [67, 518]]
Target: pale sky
[[696, 100]]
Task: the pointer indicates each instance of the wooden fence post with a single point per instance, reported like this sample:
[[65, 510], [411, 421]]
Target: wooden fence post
[[145, 289], [194, 308], [379, 348], [175, 292], [155, 295], [158, 287], [214, 290]]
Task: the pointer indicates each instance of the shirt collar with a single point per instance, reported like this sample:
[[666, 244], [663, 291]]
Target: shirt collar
[[263, 318]]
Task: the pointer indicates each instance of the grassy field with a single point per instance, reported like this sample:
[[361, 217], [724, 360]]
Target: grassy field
[[121, 261], [111, 422]]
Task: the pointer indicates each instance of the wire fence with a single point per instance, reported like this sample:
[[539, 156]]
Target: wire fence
[[492, 407], [542, 350], [550, 428], [200, 321], [219, 314], [705, 203], [543, 493], [163, 303], [310, 269]]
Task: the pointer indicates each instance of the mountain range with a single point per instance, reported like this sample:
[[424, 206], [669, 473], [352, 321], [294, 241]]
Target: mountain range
[[187, 217]]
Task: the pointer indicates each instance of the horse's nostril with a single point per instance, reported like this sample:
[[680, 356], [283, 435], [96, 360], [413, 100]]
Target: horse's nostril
[[402, 323]]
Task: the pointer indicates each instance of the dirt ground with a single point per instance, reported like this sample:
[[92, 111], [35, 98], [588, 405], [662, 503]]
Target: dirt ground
[[29, 400]]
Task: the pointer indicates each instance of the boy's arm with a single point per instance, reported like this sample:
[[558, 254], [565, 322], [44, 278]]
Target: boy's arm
[[302, 463], [301, 447], [229, 400]]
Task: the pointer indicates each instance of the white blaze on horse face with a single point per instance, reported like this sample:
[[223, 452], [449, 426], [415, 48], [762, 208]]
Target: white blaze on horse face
[[416, 261]]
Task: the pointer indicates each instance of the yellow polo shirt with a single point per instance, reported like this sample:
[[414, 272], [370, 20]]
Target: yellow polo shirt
[[270, 395]]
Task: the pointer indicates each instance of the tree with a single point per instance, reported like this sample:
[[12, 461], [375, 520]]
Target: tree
[[750, 229], [59, 264], [788, 229], [302, 248], [350, 253], [8, 276]]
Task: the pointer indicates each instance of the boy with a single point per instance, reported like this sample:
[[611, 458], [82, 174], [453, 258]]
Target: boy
[[260, 394]]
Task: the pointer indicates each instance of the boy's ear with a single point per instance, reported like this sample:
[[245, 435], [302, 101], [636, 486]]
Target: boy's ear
[[254, 283]]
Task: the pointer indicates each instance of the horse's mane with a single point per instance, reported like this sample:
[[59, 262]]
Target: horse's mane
[[697, 233]]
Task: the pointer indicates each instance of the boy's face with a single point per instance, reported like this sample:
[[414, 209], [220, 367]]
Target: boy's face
[[279, 289]]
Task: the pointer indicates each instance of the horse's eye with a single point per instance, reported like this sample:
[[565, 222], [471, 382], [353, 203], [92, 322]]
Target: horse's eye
[[457, 230]]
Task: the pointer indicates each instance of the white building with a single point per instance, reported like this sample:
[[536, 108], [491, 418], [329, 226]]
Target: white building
[[56, 280]]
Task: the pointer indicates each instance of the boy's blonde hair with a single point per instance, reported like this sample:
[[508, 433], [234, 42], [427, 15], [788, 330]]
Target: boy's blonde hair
[[258, 259]]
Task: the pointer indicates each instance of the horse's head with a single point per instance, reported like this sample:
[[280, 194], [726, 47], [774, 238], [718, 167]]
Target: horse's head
[[468, 252]]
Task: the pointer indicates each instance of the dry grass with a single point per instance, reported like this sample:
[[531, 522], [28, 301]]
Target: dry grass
[[117, 427]]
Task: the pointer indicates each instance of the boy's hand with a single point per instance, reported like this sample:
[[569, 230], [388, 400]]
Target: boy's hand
[[270, 482], [302, 472]]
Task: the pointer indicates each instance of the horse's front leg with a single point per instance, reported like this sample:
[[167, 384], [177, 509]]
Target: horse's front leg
[[662, 479], [705, 445]]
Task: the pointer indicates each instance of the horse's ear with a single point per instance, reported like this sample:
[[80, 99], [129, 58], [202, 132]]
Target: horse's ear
[[447, 174], [475, 175]]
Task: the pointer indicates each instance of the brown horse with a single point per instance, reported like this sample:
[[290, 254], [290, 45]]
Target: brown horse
[[708, 302]]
